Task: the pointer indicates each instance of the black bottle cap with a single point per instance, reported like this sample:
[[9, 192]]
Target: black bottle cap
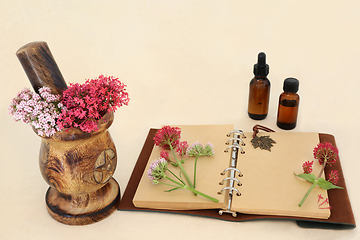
[[261, 68], [291, 85]]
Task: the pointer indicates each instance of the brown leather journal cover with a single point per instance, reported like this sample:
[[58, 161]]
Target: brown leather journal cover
[[341, 217]]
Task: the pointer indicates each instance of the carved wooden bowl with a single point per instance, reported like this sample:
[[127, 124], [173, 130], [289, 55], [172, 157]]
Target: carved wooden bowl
[[78, 167]]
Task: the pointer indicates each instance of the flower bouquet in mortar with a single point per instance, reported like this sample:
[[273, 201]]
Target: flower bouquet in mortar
[[77, 154], [79, 106]]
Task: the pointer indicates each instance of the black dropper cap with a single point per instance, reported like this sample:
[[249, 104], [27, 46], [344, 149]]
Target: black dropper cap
[[291, 85], [261, 69]]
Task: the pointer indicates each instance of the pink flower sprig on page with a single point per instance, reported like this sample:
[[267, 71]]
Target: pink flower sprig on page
[[85, 104], [197, 150], [326, 154], [157, 171], [168, 138]]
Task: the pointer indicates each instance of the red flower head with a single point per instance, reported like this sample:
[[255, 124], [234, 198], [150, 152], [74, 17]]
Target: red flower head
[[167, 136], [85, 104], [333, 177], [307, 167], [165, 155], [326, 152], [182, 147]]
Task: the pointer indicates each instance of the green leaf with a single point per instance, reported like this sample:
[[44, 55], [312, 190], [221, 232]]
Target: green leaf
[[308, 177], [327, 185]]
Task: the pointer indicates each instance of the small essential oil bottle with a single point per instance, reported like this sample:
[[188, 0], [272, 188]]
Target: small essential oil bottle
[[259, 90], [288, 105]]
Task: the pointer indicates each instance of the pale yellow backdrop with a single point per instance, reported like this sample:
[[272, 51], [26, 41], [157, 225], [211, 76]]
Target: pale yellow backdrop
[[185, 62]]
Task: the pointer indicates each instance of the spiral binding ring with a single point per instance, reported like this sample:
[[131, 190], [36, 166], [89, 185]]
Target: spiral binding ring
[[230, 178], [238, 132], [230, 188], [235, 146], [238, 139], [231, 168]]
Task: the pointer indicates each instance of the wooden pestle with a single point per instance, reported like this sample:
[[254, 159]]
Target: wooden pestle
[[40, 67]]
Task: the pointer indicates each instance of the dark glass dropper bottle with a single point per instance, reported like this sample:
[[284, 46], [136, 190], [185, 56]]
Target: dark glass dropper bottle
[[288, 105], [259, 90]]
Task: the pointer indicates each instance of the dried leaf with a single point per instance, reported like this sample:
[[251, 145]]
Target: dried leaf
[[263, 142]]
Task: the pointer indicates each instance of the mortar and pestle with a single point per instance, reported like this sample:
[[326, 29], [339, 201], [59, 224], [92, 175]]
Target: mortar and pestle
[[78, 166]]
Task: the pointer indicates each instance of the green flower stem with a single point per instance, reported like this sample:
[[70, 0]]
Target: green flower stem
[[195, 164], [169, 185], [181, 167], [202, 194], [174, 181], [308, 192], [314, 184], [322, 169], [189, 188], [176, 176]]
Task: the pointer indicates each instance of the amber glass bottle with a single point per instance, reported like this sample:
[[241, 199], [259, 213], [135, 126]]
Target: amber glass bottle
[[288, 105], [259, 90]]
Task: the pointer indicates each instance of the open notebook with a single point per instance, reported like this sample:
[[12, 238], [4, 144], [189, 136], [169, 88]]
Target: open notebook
[[268, 184], [269, 188]]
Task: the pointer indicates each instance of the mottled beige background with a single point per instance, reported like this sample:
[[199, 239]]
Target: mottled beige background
[[185, 62]]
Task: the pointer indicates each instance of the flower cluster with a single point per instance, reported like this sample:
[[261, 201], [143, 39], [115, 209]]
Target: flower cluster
[[333, 177], [168, 138], [39, 110], [181, 148], [197, 149], [326, 154], [86, 103], [307, 167], [157, 170], [165, 155]]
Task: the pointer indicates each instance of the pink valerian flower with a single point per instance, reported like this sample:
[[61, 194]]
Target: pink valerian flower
[[157, 170], [39, 110], [307, 167], [86, 103], [333, 177], [165, 155], [209, 149], [167, 136], [197, 149], [181, 148], [326, 151]]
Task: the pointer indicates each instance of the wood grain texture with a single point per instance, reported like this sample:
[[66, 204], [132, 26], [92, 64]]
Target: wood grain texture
[[78, 167], [86, 208], [40, 67]]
